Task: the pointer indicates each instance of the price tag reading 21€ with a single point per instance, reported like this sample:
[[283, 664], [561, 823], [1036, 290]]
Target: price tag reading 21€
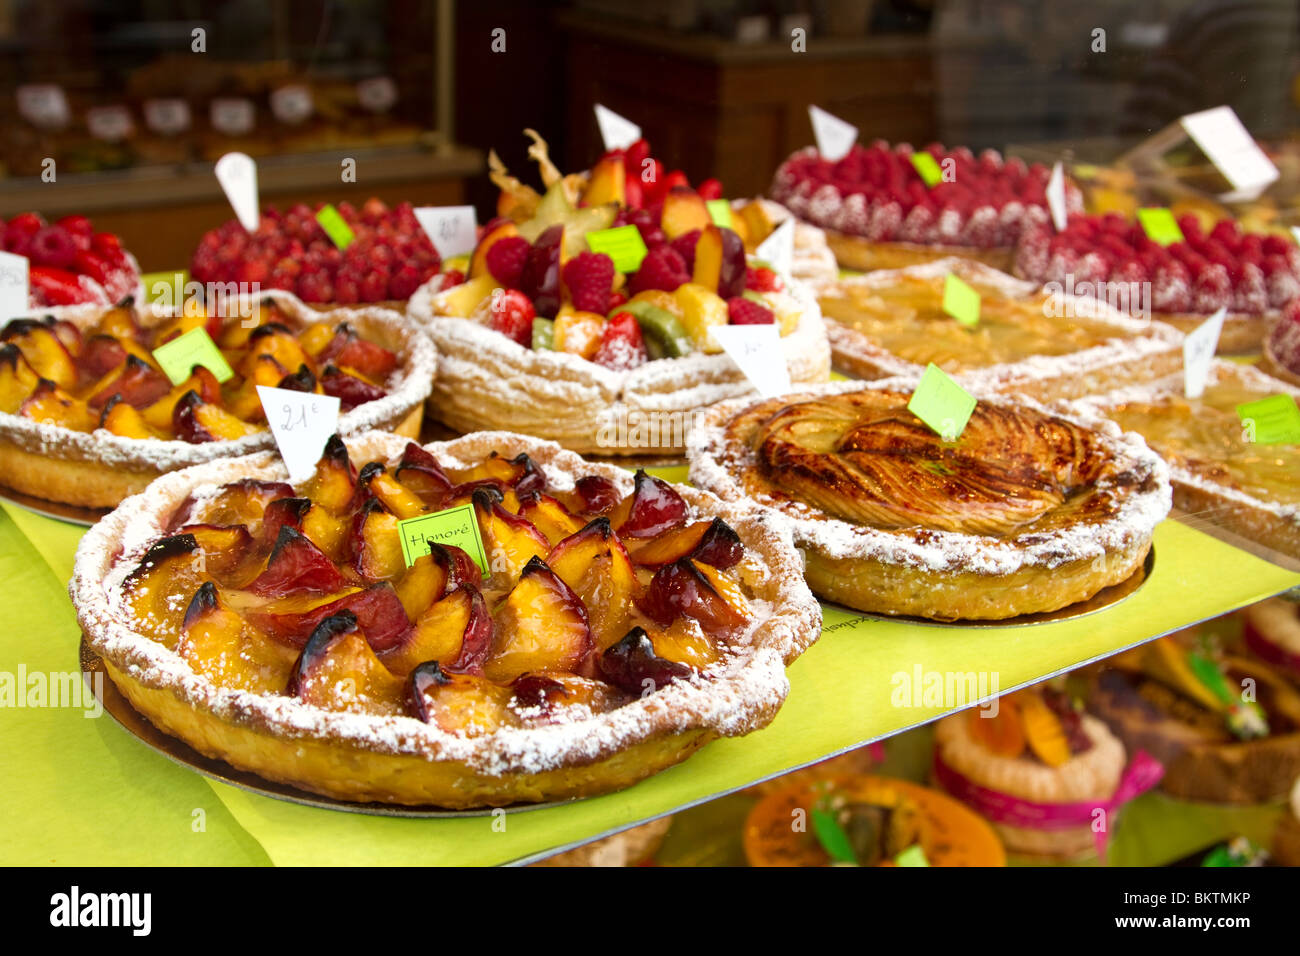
[[301, 423]]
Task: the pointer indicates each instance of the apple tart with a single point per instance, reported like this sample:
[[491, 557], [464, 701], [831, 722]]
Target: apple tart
[[621, 622], [1219, 474], [1028, 511], [87, 416], [1027, 342]]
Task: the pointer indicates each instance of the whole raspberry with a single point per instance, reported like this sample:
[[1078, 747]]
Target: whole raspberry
[[505, 259], [511, 313], [589, 277], [742, 311], [685, 247], [761, 279], [662, 268]]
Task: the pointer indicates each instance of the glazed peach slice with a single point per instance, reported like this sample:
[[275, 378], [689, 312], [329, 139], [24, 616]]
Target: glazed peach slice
[[244, 401], [594, 564], [397, 498], [377, 609], [277, 341], [137, 383], [419, 472], [227, 550], [237, 502], [518, 473], [689, 588], [350, 388], [196, 421], [549, 516], [17, 379], [52, 405], [235, 335], [120, 418], [632, 665], [1044, 731], [509, 540], [456, 631], [595, 495], [542, 697], [100, 355], [223, 647], [337, 670], [280, 513], [43, 350], [461, 704], [161, 413], [685, 642], [540, 626], [435, 575], [712, 542], [296, 565], [376, 544], [652, 508], [334, 483], [347, 349], [120, 323], [1002, 734], [159, 588]]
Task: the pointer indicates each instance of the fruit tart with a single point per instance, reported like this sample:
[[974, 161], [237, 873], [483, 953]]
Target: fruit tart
[[862, 820], [1225, 725], [544, 336], [69, 263], [1027, 342], [1282, 348], [1028, 511], [878, 212], [615, 624], [87, 415], [1220, 474], [1250, 276], [1050, 779]]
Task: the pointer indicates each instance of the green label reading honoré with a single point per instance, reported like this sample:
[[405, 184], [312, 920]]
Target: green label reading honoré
[[179, 356], [1272, 421], [941, 403], [455, 527], [335, 226]]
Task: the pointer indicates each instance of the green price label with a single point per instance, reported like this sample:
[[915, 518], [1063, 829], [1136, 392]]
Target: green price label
[[941, 403], [335, 227], [912, 856], [719, 212], [961, 301], [1271, 421], [927, 168], [623, 244], [178, 357], [1160, 226], [455, 527]]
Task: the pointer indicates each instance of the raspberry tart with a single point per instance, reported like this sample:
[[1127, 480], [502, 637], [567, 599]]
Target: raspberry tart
[[621, 623], [87, 416], [1251, 276], [1181, 700], [1218, 472], [1029, 511], [1282, 348], [1027, 342], [544, 336], [878, 213], [70, 264], [1040, 771]]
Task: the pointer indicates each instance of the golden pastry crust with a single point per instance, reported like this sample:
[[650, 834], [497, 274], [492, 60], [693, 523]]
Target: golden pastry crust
[[894, 522], [1242, 334], [99, 469], [363, 757], [866, 255]]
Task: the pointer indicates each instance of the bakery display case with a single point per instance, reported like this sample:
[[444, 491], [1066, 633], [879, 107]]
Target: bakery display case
[[595, 434]]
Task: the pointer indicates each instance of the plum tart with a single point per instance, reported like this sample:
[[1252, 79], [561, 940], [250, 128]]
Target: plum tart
[[1028, 511], [1027, 342], [621, 623], [1219, 473], [87, 416]]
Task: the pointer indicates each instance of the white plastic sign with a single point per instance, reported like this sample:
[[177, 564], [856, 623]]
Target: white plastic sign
[[112, 124], [301, 423], [237, 174], [778, 248], [834, 136], [1198, 353], [453, 230], [618, 132], [167, 117], [1056, 198], [756, 350], [232, 115], [13, 286], [1221, 136], [378, 94], [292, 104], [44, 105]]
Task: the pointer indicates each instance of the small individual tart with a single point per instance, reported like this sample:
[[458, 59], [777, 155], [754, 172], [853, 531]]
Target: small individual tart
[[1042, 773], [1027, 342], [87, 416], [878, 212], [1271, 631], [1028, 511], [621, 622], [1186, 704], [1219, 473], [69, 263], [1282, 348], [864, 820], [1251, 276], [542, 335]]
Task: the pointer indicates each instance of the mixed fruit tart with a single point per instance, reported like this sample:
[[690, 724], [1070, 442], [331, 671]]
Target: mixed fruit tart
[[1040, 771], [1252, 276], [1026, 341], [543, 335], [1185, 700], [879, 213], [1030, 510], [620, 624], [87, 416], [69, 262], [389, 257]]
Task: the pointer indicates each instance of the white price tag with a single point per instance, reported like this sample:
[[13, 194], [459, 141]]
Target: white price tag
[[232, 116], [44, 105], [13, 286], [1056, 198], [1220, 135], [1198, 353], [167, 117], [301, 423], [237, 174], [834, 136], [778, 248], [112, 124], [756, 350], [618, 132], [378, 94], [292, 104], [453, 230]]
